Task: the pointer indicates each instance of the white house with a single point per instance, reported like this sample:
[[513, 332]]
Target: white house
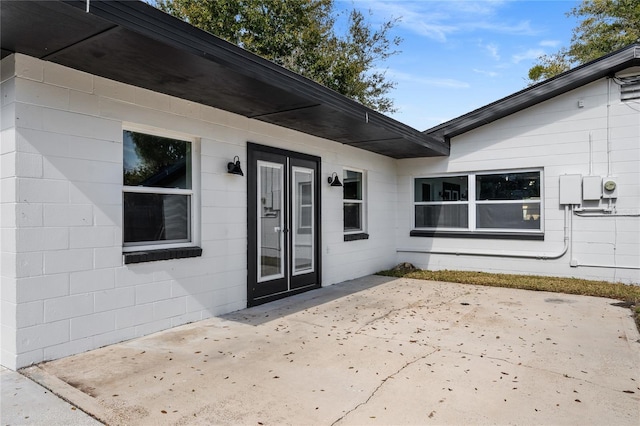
[[545, 181], [154, 175]]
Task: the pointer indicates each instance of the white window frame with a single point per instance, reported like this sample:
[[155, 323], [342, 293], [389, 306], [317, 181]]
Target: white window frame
[[301, 206], [363, 202], [472, 202], [440, 203], [193, 193], [276, 201], [296, 225]]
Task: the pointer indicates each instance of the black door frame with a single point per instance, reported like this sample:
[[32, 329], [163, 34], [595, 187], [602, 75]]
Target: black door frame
[[256, 152]]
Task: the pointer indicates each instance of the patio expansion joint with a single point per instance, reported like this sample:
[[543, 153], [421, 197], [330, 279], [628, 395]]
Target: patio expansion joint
[[381, 384]]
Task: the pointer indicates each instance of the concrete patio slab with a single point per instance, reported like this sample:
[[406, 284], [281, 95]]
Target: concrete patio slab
[[24, 402], [372, 351]]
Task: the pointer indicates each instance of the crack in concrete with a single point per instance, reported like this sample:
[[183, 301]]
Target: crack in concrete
[[532, 368], [416, 304], [386, 315], [372, 394]]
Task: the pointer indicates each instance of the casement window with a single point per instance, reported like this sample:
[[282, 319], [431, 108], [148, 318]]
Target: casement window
[[354, 203], [158, 192], [506, 202]]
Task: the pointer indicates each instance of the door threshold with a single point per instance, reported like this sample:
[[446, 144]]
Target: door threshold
[[276, 296]]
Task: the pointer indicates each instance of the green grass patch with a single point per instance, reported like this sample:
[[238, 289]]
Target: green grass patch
[[630, 294]]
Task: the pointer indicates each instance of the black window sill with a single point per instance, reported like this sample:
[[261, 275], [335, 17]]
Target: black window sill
[[479, 235], [356, 237], [161, 254]]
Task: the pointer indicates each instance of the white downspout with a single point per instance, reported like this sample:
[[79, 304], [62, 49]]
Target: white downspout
[[608, 127]]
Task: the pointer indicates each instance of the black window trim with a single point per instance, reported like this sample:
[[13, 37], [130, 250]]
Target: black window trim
[[531, 236], [161, 254]]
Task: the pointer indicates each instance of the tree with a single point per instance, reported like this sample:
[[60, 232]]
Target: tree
[[605, 26], [156, 156], [301, 35]]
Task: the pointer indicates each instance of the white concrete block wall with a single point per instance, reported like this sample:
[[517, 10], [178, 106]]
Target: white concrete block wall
[[65, 288], [554, 136], [9, 318]]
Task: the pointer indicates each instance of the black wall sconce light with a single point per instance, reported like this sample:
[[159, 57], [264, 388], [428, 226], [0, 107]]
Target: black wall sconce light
[[234, 167], [333, 180]]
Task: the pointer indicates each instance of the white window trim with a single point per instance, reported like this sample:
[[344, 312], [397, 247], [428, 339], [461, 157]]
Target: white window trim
[[472, 202], [363, 202], [194, 192], [301, 206], [439, 203]]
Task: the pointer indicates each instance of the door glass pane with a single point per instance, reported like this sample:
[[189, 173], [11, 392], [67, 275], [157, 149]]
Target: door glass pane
[[302, 225], [270, 221]]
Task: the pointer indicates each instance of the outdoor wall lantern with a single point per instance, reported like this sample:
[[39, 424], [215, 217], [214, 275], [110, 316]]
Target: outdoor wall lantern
[[333, 180], [234, 167]]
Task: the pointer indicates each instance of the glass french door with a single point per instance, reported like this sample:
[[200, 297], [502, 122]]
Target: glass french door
[[283, 210]]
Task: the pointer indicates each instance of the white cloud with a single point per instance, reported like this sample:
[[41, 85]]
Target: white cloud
[[492, 49], [550, 43], [519, 28], [487, 73], [440, 19], [427, 81], [529, 54]]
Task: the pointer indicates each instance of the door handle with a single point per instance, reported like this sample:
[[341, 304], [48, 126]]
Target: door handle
[[277, 229]]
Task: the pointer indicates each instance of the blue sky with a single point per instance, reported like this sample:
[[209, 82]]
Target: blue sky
[[460, 55]]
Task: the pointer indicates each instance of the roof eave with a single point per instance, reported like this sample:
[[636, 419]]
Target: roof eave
[[209, 64]]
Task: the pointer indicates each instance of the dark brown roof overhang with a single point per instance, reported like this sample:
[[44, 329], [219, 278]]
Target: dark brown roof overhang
[[135, 43]]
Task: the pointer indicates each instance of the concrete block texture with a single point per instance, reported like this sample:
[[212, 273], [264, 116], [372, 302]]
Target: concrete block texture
[[114, 299], [7, 68], [66, 307], [69, 215], [41, 336], [28, 67], [7, 92], [45, 95], [92, 281], [91, 325], [58, 75], [36, 239], [72, 260]]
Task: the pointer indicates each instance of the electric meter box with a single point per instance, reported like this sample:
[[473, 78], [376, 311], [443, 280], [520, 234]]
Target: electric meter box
[[571, 189], [609, 187], [591, 188]]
